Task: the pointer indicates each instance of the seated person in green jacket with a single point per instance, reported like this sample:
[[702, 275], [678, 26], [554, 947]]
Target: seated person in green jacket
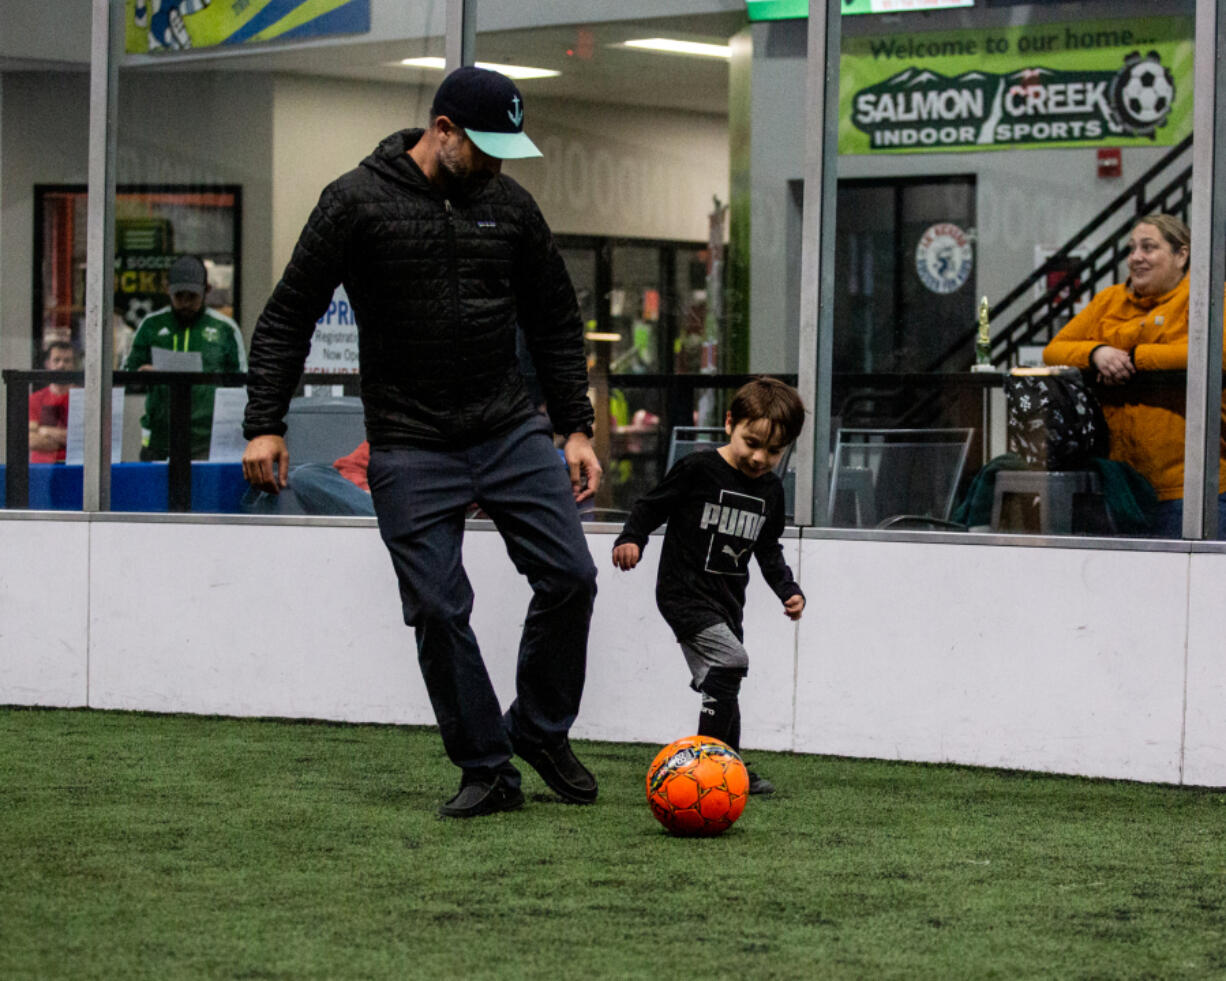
[[186, 325]]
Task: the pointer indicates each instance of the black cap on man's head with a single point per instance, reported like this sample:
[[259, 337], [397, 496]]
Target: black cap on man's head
[[488, 106], [187, 275]]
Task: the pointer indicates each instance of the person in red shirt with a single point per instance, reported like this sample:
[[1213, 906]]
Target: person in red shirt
[[49, 408]]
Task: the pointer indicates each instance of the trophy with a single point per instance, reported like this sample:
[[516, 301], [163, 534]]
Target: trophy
[[983, 341]]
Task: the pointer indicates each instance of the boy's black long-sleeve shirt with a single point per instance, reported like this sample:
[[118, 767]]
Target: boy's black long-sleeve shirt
[[717, 517]]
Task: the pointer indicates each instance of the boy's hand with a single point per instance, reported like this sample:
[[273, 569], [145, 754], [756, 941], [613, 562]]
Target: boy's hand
[[626, 556], [793, 606]]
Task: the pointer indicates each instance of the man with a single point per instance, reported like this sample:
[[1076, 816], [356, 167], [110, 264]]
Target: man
[[186, 325], [49, 408], [442, 259]]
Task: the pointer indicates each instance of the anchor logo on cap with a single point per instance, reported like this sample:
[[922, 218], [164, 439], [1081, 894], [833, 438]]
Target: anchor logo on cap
[[516, 114]]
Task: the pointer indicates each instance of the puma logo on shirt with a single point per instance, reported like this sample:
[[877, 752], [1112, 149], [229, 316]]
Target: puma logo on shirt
[[733, 525], [733, 521]]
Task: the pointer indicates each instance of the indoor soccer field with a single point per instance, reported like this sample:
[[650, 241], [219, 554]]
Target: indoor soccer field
[[143, 846]]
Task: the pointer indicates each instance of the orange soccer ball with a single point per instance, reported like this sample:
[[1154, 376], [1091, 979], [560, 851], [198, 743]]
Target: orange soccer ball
[[697, 786]]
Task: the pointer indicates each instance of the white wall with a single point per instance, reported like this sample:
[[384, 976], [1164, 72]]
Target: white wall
[[33, 30], [322, 128], [620, 170], [44, 612], [607, 170], [911, 651]]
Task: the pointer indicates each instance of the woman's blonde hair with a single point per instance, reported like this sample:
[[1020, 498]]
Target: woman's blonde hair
[[1176, 233]]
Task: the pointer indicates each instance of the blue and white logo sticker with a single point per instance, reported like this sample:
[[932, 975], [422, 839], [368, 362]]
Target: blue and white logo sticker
[[944, 258]]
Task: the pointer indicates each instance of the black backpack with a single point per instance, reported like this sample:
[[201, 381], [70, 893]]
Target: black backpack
[[1054, 420]]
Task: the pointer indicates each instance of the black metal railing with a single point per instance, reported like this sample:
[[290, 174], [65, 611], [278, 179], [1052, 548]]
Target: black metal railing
[[17, 387], [679, 394]]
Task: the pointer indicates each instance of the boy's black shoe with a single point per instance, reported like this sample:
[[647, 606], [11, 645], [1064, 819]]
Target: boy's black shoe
[[480, 797], [560, 769], [760, 785]]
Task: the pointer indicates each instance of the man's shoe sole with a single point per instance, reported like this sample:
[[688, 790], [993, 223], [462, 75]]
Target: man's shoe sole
[[537, 757]]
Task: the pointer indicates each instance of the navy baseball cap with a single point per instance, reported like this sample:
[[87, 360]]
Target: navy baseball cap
[[187, 275], [488, 106]]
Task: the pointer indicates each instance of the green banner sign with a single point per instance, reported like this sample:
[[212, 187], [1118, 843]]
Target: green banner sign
[[900, 6], [793, 9], [1101, 83], [176, 25]]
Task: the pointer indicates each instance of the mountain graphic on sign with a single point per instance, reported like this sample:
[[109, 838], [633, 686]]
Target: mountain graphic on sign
[[1031, 73], [911, 77]]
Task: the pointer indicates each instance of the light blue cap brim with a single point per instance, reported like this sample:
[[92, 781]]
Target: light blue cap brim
[[504, 146]]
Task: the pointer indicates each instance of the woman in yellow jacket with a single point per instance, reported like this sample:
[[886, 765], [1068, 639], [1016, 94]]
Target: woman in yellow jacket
[[1142, 325]]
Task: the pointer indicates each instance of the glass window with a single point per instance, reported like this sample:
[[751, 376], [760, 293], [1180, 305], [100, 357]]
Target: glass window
[[44, 125], [992, 286], [635, 160], [229, 154]]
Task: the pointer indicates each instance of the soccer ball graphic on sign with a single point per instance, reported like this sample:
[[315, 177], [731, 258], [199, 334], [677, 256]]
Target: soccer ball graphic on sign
[[1143, 93], [697, 786]]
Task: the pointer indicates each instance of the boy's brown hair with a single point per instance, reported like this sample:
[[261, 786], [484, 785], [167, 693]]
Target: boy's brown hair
[[775, 401]]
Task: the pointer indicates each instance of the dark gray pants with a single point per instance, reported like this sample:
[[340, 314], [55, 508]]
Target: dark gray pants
[[420, 496]]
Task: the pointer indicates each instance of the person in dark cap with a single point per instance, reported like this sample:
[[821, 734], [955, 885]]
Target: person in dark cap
[[186, 325], [443, 259]]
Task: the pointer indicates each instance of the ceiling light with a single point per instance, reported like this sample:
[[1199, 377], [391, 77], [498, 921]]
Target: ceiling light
[[670, 46], [511, 71]]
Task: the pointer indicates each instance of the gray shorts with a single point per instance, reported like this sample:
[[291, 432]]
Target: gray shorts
[[713, 647]]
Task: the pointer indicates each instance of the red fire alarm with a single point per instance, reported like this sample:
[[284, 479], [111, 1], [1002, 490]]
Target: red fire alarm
[[1109, 162]]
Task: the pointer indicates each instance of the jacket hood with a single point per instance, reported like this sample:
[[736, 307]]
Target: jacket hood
[[391, 159]]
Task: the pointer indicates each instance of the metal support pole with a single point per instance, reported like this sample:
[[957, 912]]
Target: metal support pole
[[1207, 273], [17, 443], [461, 42], [817, 257], [179, 449], [106, 50]]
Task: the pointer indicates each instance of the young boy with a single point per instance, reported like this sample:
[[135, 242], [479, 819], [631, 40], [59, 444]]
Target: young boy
[[720, 507]]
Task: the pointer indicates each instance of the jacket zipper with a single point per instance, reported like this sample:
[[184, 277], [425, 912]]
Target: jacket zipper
[[456, 339]]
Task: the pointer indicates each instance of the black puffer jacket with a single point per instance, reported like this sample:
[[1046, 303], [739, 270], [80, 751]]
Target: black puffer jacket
[[437, 287]]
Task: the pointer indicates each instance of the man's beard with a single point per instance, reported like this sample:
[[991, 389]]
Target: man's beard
[[464, 184], [186, 317]]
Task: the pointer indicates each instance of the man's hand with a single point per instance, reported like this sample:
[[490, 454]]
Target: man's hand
[[581, 459], [626, 556], [1114, 365], [266, 463], [793, 606]]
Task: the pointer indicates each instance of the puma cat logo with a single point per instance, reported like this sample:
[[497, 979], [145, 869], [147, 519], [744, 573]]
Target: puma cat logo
[[736, 555]]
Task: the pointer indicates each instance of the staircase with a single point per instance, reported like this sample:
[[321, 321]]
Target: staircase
[[1165, 187]]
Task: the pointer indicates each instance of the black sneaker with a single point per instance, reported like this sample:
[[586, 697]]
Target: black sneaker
[[760, 785], [560, 769], [480, 797]]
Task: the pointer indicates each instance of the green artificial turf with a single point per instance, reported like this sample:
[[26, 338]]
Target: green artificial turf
[[142, 846]]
